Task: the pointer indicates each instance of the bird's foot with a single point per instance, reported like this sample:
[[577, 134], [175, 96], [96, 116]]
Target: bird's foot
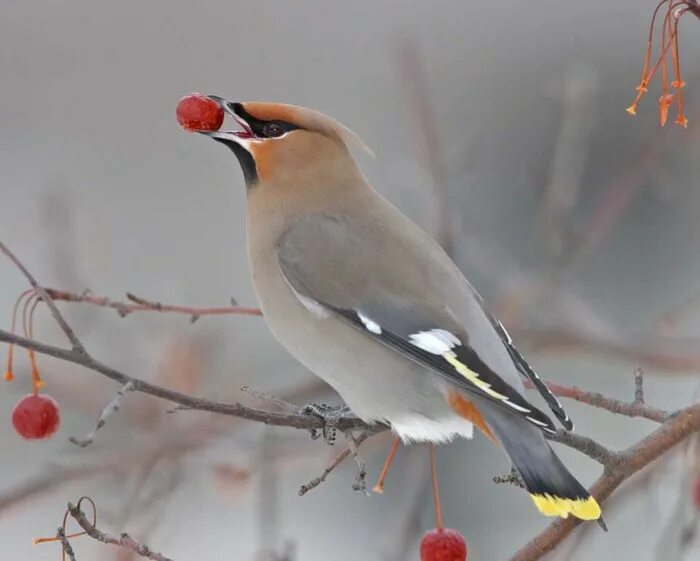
[[330, 415]]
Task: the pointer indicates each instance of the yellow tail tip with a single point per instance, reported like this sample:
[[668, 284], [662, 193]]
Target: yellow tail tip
[[549, 505]]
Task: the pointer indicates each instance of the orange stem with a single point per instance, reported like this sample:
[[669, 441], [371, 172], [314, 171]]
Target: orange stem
[[379, 487], [27, 318], [9, 374], [680, 119], [436, 492], [65, 521], [650, 41]]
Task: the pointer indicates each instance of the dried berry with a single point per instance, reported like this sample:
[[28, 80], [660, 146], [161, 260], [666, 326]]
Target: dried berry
[[36, 416], [196, 112], [443, 545]]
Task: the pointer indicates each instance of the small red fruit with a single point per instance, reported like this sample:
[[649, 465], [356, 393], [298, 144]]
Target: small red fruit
[[196, 112], [443, 545], [36, 416]]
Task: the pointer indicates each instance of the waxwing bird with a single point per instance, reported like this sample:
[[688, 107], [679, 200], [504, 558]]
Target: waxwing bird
[[369, 302]]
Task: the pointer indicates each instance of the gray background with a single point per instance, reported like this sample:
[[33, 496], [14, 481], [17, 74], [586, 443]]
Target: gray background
[[101, 190]]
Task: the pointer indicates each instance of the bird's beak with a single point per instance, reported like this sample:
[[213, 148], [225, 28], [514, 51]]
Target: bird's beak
[[242, 137]]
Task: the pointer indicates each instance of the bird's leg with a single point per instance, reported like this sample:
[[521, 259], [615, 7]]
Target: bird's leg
[[330, 416], [379, 487], [436, 493]]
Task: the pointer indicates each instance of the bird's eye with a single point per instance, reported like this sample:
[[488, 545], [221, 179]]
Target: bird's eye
[[273, 129]]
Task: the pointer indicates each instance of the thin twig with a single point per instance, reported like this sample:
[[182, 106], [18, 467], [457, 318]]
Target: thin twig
[[587, 446], [111, 408], [65, 544], [316, 481], [138, 304], [72, 337], [361, 475], [638, 386], [298, 421], [628, 409], [271, 399], [124, 540]]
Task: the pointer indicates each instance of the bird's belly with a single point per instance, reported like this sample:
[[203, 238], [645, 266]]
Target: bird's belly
[[377, 383]]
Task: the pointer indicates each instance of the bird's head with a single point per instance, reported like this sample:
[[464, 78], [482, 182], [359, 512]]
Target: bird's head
[[277, 141]]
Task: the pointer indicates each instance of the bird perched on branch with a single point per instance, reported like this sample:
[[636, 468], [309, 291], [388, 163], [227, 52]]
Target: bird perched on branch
[[366, 300]]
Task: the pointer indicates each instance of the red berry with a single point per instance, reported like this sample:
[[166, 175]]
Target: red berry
[[196, 112], [36, 416], [443, 545]]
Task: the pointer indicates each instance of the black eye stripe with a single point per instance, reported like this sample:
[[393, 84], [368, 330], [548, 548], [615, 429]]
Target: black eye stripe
[[258, 126]]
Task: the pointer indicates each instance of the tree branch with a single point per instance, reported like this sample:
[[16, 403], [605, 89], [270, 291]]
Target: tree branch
[[298, 421], [124, 540], [628, 409], [137, 304], [72, 337], [65, 544]]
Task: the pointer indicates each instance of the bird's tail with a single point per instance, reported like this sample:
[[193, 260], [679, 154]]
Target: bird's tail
[[552, 488]]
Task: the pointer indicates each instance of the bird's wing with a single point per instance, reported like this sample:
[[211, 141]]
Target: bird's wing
[[325, 261], [526, 370]]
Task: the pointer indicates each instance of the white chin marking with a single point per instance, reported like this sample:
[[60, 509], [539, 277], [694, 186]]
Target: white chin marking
[[422, 429], [435, 341]]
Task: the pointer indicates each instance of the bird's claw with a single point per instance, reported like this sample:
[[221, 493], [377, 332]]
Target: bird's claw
[[329, 415]]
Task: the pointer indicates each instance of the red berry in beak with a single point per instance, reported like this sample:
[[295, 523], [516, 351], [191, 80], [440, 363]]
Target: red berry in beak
[[196, 112], [36, 417], [443, 545]]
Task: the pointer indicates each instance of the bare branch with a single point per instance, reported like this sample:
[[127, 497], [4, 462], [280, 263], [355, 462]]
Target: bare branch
[[361, 476], [111, 408], [271, 399], [75, 342], [299, 421], [586, 446], [316, 481], [65, 544], [138, 304], [124, 540], [638, 386], [628, 409]]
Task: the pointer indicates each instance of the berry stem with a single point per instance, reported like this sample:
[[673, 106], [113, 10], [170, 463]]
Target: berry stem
[[680, 119], [9, 372], [379, 487], [436, 492], [27, 324]]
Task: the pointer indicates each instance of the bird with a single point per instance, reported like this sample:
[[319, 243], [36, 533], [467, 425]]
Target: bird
[[369, 301]]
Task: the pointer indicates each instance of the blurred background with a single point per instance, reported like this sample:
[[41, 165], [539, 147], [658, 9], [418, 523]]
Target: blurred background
[[499, 127]]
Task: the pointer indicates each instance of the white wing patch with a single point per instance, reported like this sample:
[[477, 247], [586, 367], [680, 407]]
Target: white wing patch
[[435, 341], [370, 324]]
